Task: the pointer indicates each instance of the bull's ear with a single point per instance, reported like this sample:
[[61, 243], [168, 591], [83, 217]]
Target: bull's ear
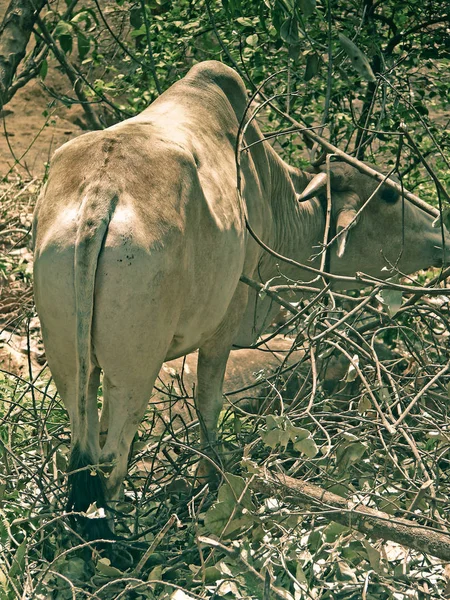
[[389, 195], [346, 218]]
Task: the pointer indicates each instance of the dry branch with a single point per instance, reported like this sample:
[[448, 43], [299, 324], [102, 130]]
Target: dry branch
[[15, 32], [371, 522], [72, 74]]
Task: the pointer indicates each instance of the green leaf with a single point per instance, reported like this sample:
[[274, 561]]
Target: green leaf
[[212, 574], [220, 512], [44, 69], [155, 574], [104, 567], [252, 40], [136, 17], [359, 60], [138, 32], [339, 490], [62, 28], [218, 516], [300, 574], [85, 14], [63, 32], [18, 562], [245, 22], [392, 299], [298, 433], [232, 490], [280, 431], [276, 433], [333, 530], [84, 44], [385, 395], [364, 404], [314, 540], [348, 454], [389, 506], [294, 51], [232, 7], [249, 465], [307, 446], [65, 41], [74, 568], [289, 31], [373, 555], [307, 7], [312, 66], [80, 17], [274, 421]]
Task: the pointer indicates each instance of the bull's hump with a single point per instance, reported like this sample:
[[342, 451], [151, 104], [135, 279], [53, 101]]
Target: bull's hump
[[201, 85], [215, 71]]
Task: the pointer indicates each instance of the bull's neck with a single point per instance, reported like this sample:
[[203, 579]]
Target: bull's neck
[[298, 227]]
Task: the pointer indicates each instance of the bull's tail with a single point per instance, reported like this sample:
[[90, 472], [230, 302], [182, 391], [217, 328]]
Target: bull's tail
[[86, 484]]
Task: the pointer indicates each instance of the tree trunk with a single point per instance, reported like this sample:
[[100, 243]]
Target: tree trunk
[[15, 32]]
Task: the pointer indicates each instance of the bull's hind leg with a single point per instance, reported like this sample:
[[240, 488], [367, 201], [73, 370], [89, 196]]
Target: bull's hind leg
[[126, 401], [212, 363]]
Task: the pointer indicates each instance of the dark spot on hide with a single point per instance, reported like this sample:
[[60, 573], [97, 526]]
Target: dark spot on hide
[[389, 195]]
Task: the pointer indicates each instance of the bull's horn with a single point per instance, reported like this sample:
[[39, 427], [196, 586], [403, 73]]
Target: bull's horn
[[346, 218], [316, 184]]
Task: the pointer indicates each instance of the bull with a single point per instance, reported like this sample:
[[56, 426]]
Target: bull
[[140, 240]]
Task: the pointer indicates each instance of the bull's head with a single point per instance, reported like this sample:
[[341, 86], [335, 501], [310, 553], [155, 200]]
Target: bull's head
[[373, 228]]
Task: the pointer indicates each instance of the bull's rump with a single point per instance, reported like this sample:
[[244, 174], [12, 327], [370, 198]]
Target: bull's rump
[[167, 269]]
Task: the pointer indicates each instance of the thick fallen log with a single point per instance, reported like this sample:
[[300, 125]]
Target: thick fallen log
[[371, 522]]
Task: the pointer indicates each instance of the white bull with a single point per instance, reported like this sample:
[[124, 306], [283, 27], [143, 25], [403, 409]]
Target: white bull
[[140, 241]]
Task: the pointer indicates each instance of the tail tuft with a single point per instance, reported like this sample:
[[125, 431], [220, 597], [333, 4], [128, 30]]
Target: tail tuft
[[84, 488]]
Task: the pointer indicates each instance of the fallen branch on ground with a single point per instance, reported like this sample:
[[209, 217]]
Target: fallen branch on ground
[[371, 522]]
